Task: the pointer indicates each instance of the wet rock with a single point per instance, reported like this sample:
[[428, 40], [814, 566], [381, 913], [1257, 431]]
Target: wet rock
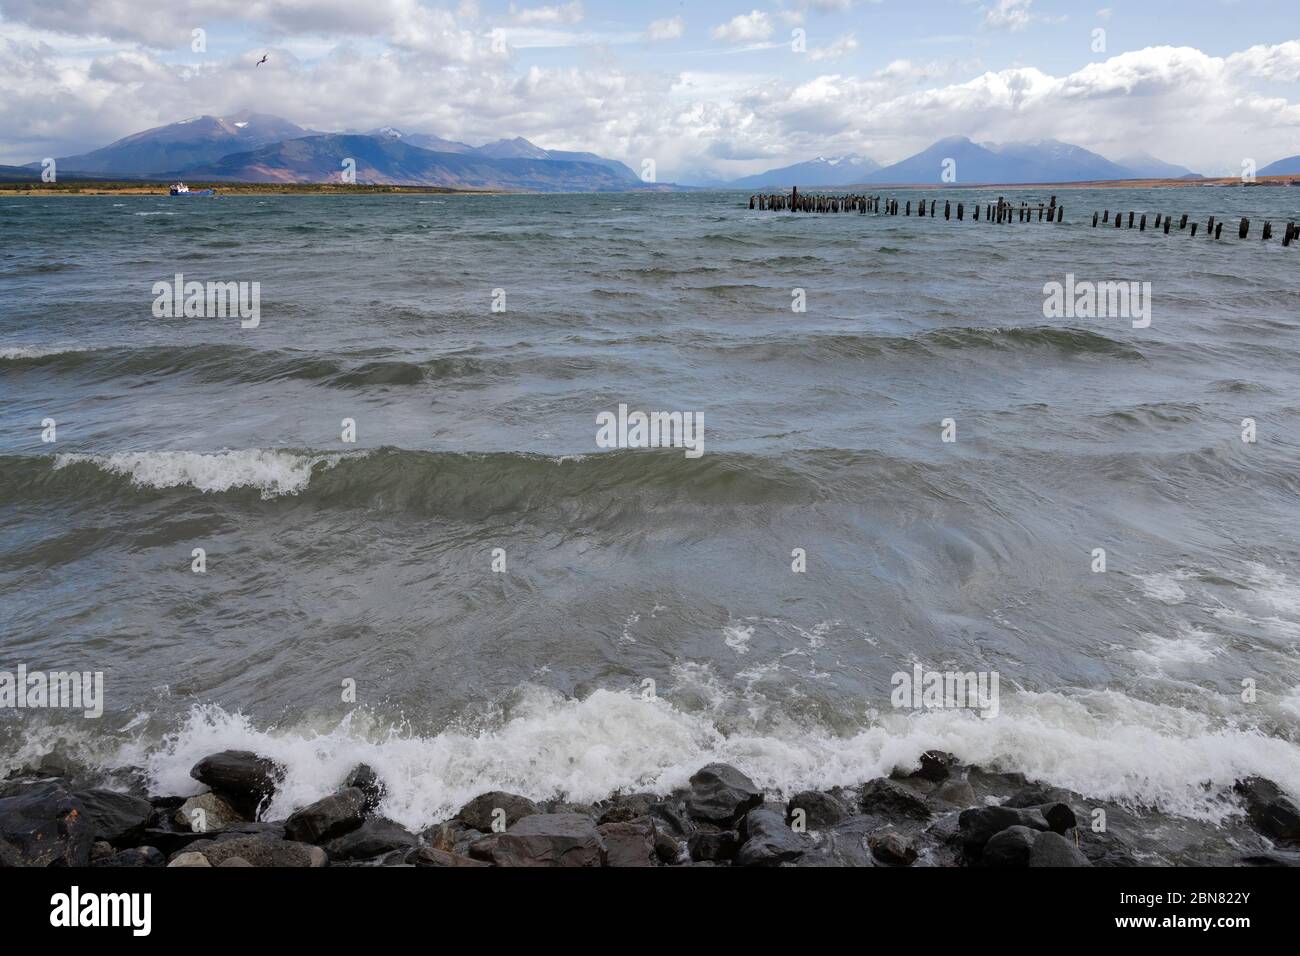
[[890, 800], [629, 844], [234, 861], [44, 825], [206, 812], [243, 778], [449, 834], [136, 856], [101, 850], [715, 845], [431, 856], [1271, 811], [328, 817], [821, 810], [1052, 849], [1272, 858], [479, 812], [1036, 795], [891, 848], [936, 766], [954, 792], [844, 844], [622, 808], [189, 859], [544, 839], [374, 837], [721, 794], [978, 825], [117, 818], [260, 851], [363, 778], [768, 841], [1009, 848], [667, 850]]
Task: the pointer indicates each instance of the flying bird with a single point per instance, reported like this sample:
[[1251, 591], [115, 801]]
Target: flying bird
[[262, 60]]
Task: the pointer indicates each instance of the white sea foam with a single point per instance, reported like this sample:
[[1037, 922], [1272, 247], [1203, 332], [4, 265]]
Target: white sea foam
[[1189, 646], [1104, 745], [1164, 587], [271, 472], [737, 637], [35, 351]]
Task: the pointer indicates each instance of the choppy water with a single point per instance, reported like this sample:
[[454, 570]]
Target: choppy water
[[476, 430]]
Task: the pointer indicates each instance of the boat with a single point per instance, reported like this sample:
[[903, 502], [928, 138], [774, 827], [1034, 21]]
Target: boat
[[180, 189]]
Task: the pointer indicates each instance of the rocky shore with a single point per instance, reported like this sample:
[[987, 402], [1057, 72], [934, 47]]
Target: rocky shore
[[936, 813]]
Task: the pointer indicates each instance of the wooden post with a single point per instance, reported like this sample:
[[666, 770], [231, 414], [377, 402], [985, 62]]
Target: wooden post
[[1094, 219], [1130, 219], [976, 217], [1182, 223], [961, 211], [1209, 227], [1168, 220], [1244, 229], [1218, 231], [1060, 214], [1194, 225], [1268, 231], [1158, 218], [794, 197], [947, 209], [1142, 227], [1106, 216], [1119, 219]]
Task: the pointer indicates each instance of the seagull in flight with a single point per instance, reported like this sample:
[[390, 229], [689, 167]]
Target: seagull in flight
[[261, 61]]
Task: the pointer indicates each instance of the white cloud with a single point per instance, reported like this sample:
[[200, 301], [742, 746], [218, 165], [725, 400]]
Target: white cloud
[[567, 13], [845, 44], [669, 28], [752, 27], [1010, 15]]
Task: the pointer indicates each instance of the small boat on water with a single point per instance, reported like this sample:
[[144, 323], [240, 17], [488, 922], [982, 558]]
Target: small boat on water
[[180, 189]]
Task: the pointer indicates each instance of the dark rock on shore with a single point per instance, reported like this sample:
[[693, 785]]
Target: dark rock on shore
[[431, 856], [116, 818], [138, 856], [977, 826], [886, 798], [257, 850], [721, 794], [713, 845], [373, 838], [478, 813], [328, 817], [821, 810], [768, 841], [1273, 812], [367, 781], [205, 812], [1011, 847], [936, 766], [631, 843], [892, 849], [44, 825], [544, 839], [241, 777], [1052, 849]]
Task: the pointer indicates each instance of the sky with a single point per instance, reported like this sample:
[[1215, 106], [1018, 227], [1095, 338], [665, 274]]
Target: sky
[[712, 89]]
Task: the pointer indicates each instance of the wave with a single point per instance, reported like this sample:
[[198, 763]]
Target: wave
[[1104, 745], [217, 363], [273, 473]]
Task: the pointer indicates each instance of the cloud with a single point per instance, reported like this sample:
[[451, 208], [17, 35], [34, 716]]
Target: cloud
[[1010, 15], [752, 27], [567, 13], [845, 44], [667, 29]]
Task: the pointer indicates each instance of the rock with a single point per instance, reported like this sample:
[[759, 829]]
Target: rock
[[1036, 795], [978, 825], [956, 793], [821, 810], [1271, 811], [768, 841], [243, 778], [137, 856], [479, 812], [890, 800], [1060, 818], [623, 808], [713, 845], [667, 850], [891, 848], [213, 813], [1009, 848], [721, 794], [1273, 858], [328, 817], [101, 850], [1052, 849], [190, 859], [260, 851], [544, 839], [117, 818], [169, 841], [844, 844], [234, 861], [449, 833], [44, 825], [367, 781], [431, 856], [374, 837], [629, 844], [936, 766]]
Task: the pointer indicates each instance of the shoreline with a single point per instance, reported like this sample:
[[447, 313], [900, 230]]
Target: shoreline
[[935, 812], [110, 188]]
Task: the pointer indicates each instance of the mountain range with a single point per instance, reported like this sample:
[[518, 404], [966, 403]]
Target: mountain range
[[258, 147]]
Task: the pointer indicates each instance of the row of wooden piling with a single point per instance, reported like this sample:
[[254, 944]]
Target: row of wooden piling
[[1213, 229], [1001, 211]]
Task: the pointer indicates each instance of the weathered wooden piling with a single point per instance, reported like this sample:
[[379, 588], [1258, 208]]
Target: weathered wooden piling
[[1130, 219], [1268, 231], [961, 211], [1182, 223], [1194, 225], [947, 209], [1244, 229], [1142, 226], [1218, 231], [1209, 228], [1095, 219], [1106, 216], [1168, 220]]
